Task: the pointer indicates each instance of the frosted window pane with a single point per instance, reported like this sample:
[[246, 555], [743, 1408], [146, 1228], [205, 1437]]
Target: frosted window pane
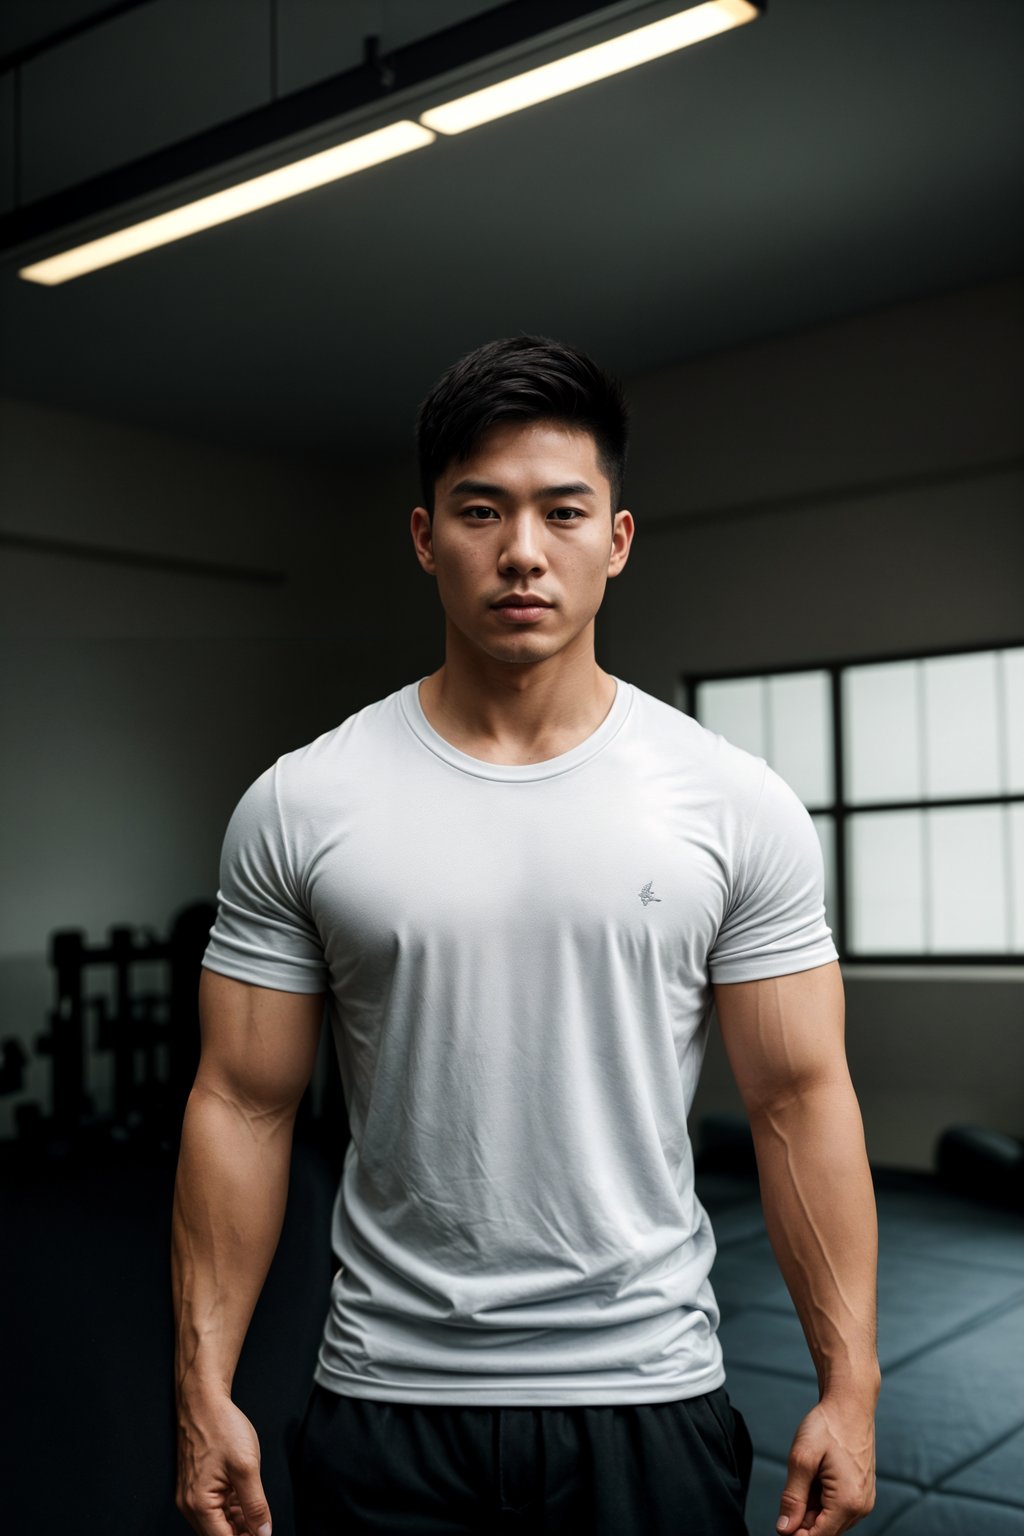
[[1013, 685], [967, 885], [885, 885], [962, 744], [881, 732], [735, 709], [825, 826], [800, 733], [1016, 860]]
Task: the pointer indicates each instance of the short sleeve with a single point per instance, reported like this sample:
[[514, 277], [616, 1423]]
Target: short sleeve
[[775, 922], [263, 932]]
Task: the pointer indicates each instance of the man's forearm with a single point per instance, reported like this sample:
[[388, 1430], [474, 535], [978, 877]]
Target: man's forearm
[[230, 1196], [819, 1207]]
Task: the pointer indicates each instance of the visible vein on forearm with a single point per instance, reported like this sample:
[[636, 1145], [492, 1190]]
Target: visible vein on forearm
[[819, 1207]]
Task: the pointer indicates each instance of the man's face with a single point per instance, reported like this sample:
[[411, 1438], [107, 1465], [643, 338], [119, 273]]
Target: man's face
[[519, 536]]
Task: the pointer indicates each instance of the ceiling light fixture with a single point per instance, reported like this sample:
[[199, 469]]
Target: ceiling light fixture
[[624, 51], [596, 63], [232, 202]]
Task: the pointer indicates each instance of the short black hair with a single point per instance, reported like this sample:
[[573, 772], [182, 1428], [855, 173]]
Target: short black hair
[[525, 378]]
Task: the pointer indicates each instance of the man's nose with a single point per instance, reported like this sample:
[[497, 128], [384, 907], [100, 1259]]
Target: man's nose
[[522, 547]]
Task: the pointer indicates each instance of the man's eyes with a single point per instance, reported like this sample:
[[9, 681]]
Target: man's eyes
[[576, 513]]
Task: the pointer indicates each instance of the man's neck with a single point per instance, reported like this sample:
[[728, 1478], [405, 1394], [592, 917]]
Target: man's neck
[[517, 714]]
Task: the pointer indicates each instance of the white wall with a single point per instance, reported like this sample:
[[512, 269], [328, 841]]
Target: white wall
[[851, 492], [139, 703]]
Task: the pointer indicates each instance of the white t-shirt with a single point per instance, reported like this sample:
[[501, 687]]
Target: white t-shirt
[[518, 963]]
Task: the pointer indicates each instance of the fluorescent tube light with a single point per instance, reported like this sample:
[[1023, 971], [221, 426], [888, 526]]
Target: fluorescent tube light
[[232, 202], [608, 58]]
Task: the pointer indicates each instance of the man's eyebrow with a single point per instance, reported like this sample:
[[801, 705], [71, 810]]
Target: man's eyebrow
[[485, 488]]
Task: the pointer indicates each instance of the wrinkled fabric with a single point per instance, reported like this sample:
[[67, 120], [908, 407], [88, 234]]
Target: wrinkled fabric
[[517, 963]]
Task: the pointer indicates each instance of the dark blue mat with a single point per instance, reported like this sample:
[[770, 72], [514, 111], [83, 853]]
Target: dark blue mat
[[950, 1418]]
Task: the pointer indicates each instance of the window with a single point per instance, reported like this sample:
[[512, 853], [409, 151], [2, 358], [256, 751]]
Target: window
[[913, 773]]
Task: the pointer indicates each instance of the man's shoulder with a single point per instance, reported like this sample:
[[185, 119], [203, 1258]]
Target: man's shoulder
[[700, 749], [345, 750]]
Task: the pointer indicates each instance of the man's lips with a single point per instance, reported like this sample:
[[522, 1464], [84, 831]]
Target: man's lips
[[522, 613]]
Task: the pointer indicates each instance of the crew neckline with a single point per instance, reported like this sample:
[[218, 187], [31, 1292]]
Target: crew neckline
[[549, 768]]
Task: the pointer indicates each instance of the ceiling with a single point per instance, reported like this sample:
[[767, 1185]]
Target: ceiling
[[831, 157]]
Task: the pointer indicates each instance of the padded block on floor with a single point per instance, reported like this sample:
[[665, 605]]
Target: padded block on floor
[[768, 1340], [929, 1418], [941, 1515], [920, 1304], [943, 1226], [998, 1474], [748, 1272], [982, 1164], [952, 1403]]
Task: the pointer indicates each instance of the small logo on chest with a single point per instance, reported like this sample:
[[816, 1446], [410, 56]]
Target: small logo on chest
[[645, 894]]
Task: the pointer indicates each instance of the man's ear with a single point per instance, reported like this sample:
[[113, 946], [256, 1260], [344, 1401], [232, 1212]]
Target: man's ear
[[622, 536], [421, 528]]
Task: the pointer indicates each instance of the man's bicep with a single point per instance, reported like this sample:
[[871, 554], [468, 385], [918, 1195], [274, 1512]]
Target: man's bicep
[[259, 1044], [783, 1034]]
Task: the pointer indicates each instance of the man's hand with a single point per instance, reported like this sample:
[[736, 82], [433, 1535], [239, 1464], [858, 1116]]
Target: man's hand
[[219, 1488], [831, 1481]]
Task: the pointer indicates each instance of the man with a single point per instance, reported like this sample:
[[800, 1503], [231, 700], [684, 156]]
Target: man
[[520, 884]]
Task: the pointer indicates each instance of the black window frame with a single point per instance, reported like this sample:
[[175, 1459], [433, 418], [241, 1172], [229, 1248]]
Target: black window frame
[[842, 812]]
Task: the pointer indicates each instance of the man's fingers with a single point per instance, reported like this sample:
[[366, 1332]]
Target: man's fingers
[[245, 1476], [206, 1515], [210, 1522], [793, 1503]]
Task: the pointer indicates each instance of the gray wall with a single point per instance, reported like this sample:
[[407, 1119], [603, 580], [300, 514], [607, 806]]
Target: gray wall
[[851, 492], [848, 492], [138, 702]]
